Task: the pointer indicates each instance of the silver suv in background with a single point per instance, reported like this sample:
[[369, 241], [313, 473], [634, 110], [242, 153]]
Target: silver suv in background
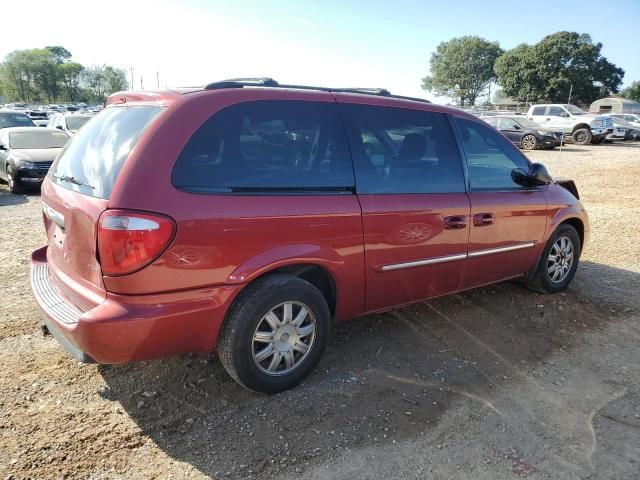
[[578, 126]]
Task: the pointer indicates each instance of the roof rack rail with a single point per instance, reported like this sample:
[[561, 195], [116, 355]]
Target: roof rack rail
[[270, 82], [242, 82]]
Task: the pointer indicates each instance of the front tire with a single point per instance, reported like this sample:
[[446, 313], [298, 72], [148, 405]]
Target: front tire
[[581, 136], [559, 261], [529, 142], [14, 185], [274, 333]]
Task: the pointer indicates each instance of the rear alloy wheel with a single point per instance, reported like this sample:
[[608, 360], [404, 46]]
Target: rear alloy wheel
[[582, 136], [14, 185], [529, 142], [274, 333]]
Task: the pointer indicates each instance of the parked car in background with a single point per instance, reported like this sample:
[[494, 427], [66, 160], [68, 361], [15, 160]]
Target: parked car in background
[[26, 153], [619, 133], [39, 117], [69, 122], [11, 118], [628, 120], [18, 107], [579, 126], [525, 133], [631, 130], [248, 220]]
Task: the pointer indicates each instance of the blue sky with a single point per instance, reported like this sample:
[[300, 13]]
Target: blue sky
[[329, 43]]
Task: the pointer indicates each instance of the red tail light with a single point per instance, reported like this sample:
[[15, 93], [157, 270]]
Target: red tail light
[[128, 241]]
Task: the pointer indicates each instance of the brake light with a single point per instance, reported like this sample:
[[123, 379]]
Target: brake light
[[129, 241]]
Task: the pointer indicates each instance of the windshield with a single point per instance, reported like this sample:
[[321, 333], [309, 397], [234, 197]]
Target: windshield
[[15, 120], [91, 162], [74, 123], [574, 110], [37, 139]]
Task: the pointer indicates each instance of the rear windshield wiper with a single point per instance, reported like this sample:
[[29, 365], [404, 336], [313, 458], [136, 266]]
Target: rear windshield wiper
[[72, 179]]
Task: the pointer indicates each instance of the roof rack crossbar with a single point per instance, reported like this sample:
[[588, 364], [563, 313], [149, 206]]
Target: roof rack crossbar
[[270, 82]]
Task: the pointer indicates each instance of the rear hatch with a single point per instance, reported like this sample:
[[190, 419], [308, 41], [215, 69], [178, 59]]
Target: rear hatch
[[77, 191]]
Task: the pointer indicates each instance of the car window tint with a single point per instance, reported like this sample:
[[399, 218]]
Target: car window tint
[[15, 120], [538, 110], [402, 151], [267, 146], [490, 157], [556, 111], [96, 155]]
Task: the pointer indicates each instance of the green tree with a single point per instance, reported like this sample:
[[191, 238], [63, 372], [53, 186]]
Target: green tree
[[71, 77], [101, 81], [632, 92], [559, 63], [45, 73], [18, 73], [116, 79], [60, 54], [462, 68]]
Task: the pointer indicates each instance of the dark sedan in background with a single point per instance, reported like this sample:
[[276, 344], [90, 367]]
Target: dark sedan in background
[[10, 118], [525, 133], [26, 153]]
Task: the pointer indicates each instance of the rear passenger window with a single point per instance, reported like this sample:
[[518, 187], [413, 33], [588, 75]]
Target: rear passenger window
[[490, 157], [402, 151], [267, 146], [556, 111], [538, 111]]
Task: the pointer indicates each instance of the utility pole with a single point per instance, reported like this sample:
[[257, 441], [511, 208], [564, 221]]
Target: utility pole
[[158, 79], [570, 91], [141, 84], [131, 71]]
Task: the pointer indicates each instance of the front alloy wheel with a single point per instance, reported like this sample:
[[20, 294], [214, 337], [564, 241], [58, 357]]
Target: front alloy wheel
[[560, 259], [14, 185]]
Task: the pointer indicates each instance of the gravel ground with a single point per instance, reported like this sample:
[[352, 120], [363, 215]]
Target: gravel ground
[[494, 383]]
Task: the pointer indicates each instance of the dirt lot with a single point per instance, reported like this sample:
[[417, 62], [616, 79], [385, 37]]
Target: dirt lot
[[494, 383]]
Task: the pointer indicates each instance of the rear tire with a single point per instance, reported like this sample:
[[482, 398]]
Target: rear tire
[[581, 136], [559, 261], [266, 349]]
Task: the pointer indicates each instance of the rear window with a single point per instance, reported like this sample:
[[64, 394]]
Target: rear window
[[91, 161], [14, 120], [74, 123], [267, 146]]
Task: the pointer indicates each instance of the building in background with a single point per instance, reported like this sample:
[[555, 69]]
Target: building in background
[[615, 104]]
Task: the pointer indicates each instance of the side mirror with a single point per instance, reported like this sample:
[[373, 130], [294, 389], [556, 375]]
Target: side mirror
[[537, 176], [516, 126], [2, 147], [564, 115], [59, 127]]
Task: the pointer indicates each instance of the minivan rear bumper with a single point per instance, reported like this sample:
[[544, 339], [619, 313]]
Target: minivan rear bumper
[[126, 328]]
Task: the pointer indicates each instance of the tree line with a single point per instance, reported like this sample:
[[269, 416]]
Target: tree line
[[49, 75], [561, 63]]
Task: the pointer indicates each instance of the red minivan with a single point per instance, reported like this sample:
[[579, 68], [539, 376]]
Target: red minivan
[[247, 217]]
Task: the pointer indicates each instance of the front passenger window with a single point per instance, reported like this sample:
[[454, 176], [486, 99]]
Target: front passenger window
[[490, 158]]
